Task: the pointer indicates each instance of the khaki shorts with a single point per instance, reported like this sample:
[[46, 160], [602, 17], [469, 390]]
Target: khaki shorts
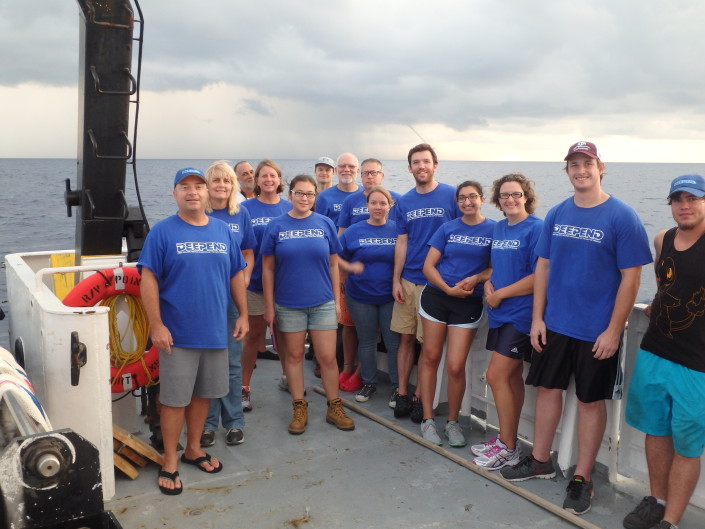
[[255, 303], [405, 317]]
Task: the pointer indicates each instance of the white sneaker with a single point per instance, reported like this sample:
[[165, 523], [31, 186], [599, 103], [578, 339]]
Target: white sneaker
[[283, 383], [429, 432], [498, 457], [454, 434], [485, 447]]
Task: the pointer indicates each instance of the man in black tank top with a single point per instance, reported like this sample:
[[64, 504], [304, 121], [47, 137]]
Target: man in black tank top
[[667, 392]]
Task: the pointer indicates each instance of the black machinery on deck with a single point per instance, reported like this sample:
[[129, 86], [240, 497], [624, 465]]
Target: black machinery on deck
[[107, 88], [51, 479]]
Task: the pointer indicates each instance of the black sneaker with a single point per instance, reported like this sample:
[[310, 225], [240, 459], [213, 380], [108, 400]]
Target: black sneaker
[[234, 436], [207, 438], [366, 391], [393, 398], [403, 407], [645, 515], [529, 468], [580, 492], [416, 410]]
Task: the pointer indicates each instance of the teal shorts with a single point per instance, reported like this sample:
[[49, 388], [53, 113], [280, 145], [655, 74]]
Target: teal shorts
[[666, 399]]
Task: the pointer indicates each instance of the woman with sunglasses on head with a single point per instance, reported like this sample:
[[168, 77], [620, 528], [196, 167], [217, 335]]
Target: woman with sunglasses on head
[[223, 204], [368, 260], [509, 298], [457, 264], [301, 292], [263, 208]]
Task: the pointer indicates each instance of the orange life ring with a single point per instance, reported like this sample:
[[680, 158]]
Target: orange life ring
[[94, 289], [137, 374], [101, 285]]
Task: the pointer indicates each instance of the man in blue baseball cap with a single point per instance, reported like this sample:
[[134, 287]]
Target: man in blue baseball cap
[[667, 390], [191, 265]]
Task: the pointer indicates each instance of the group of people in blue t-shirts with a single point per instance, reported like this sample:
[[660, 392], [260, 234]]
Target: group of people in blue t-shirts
[[322, 257], [424, 268]]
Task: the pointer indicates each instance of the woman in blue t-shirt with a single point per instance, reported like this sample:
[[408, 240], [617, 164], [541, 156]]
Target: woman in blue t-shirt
[[368, 258], [263, 208], [509, 297], [457, 264], [301, 291], [223, 192]]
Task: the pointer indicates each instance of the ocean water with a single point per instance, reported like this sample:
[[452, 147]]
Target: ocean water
[[33, 215]]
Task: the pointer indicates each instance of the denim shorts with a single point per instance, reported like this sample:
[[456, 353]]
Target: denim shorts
[[318, 318]]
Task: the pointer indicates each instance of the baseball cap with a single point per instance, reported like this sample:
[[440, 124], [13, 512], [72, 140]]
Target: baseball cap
[[324, 160], [690, 183], [584, 147], [183, 173]]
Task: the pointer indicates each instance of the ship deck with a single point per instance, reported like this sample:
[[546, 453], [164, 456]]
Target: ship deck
[[372, 477]]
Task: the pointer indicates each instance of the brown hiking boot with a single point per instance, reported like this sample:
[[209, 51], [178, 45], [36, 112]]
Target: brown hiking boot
[[300, 419], [336, 416]]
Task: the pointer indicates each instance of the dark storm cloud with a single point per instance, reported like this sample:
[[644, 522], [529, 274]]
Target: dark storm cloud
[[451, 62]]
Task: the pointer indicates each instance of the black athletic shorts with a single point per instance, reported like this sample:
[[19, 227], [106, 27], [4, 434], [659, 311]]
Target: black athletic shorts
[[509, 342], [435, 305], [563, 356]]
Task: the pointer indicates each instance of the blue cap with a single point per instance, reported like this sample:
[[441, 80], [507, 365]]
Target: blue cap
[[690, 183], [183, 173]]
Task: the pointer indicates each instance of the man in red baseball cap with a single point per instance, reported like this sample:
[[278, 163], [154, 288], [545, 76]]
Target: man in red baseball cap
[[591, 249]]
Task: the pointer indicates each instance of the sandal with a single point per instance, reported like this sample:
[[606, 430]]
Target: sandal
[[172, 476], [342, 377], [203, 459], [352, 383]]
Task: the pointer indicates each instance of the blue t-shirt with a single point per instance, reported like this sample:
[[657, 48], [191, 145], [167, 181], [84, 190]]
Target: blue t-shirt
[[354, 209], [373, 246], [419, 216], [513, 258], [330, 201], [587, 248], [302, 248], [193, 266], [260, 215], [240, 224], [465, 250]]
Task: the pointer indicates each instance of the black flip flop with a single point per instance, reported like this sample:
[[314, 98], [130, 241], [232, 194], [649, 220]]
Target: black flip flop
[[197, 463], [172, 476]]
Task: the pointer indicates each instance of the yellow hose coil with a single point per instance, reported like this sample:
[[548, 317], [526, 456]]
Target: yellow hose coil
[[140, 328]]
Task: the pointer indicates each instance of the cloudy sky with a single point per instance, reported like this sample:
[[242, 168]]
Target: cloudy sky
[[478, 79]]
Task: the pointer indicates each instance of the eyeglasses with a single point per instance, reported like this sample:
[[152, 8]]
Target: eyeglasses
[[471, 197], [301, 194], [371, 173], [516, 194]]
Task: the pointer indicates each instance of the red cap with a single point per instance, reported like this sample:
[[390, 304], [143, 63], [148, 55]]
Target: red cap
[[584, 147]]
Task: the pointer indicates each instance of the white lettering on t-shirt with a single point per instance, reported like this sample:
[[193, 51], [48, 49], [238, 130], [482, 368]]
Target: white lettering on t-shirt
[[201, 247], [261, 221], [578, 232], [509, 244], [378, 241], [467, 239], [360, 211], [425, 212], [337, 207], [235, 228], [301, 234]]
